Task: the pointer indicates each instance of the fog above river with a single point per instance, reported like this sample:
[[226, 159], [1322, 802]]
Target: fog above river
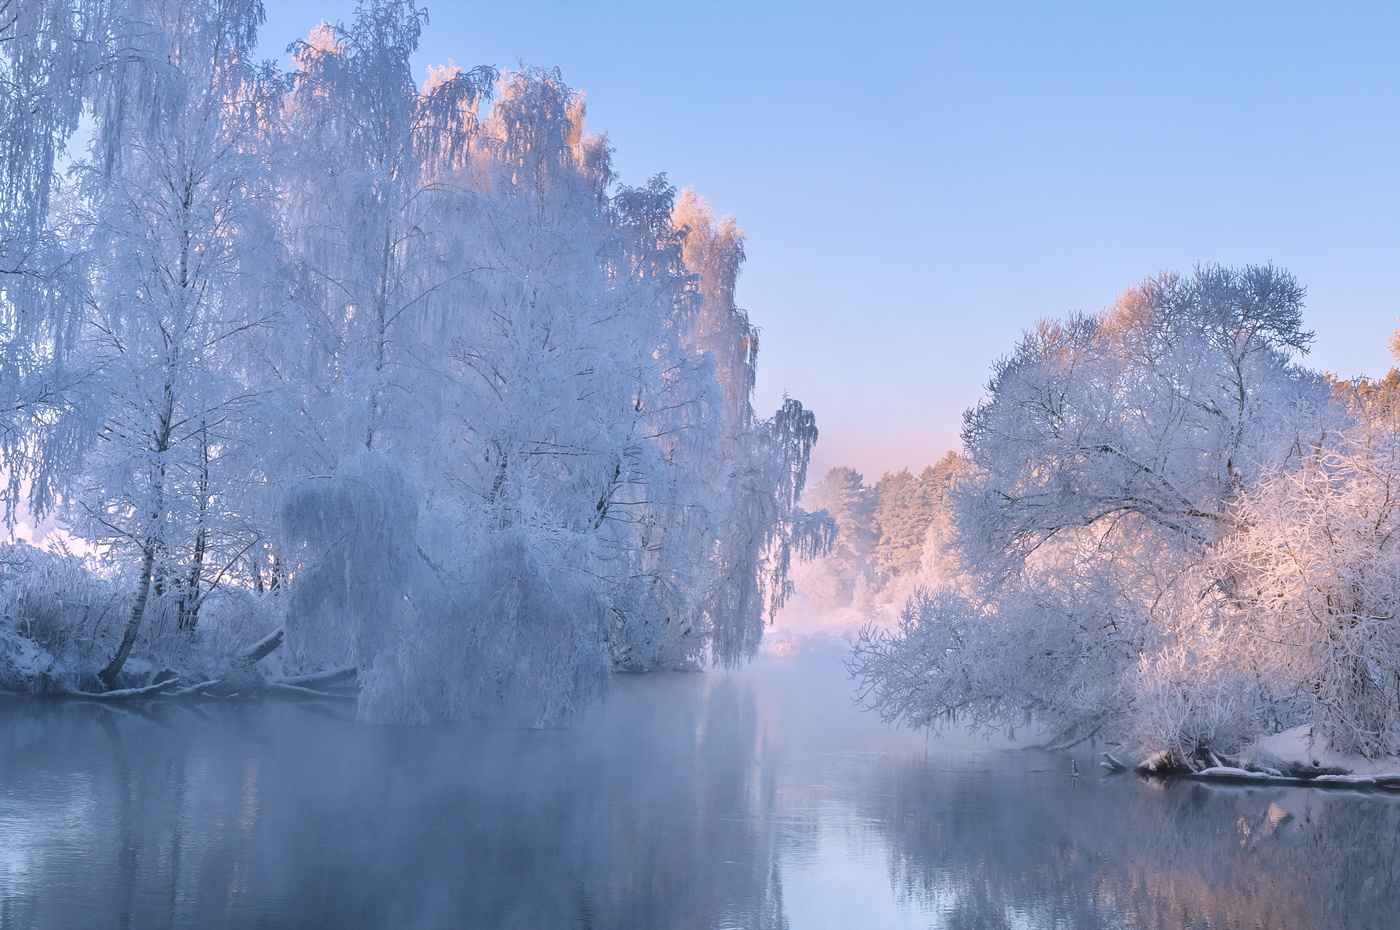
[[757, 799]]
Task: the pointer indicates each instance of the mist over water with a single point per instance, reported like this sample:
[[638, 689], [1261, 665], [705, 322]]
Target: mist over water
[[757, 799]]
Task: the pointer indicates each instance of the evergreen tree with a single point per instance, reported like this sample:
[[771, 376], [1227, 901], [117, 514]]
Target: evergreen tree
[[903, 511]]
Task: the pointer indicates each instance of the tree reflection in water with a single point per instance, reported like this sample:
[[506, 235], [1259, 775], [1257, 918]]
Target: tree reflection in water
[[651, 815], [1003, 846], [754, 800]]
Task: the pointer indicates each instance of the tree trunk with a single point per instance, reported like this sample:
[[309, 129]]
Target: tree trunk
[[263, 647], [190, 597], [108, 676]]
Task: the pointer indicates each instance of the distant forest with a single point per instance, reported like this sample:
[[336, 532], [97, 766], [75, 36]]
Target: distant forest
[[892, 534]]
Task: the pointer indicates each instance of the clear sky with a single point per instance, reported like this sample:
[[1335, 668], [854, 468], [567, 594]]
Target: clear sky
[[920, 182]]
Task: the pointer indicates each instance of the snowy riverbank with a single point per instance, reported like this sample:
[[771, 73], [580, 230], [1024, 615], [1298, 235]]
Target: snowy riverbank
[[1292, 757]]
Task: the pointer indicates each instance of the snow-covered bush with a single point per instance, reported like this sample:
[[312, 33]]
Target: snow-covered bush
[[57, 619]]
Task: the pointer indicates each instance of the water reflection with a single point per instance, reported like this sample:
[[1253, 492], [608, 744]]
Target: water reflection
[[756, 800], [654, 813], [1003, 846]]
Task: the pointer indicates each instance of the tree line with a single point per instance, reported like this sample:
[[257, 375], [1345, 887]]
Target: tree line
[[405, 371], [892, 536]]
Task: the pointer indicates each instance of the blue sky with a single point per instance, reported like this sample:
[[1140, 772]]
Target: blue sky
[[921, 181]]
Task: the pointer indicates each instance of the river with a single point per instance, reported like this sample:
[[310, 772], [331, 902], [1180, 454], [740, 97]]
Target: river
[[756, 799]]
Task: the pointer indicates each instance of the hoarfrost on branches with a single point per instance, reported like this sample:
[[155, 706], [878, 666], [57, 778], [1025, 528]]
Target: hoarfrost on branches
[[1171, 536], [405, 369], [1317, 576]]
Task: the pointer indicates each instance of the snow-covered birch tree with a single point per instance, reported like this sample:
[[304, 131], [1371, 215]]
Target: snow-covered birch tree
[[50, 54], [374, 242], [180, 279]]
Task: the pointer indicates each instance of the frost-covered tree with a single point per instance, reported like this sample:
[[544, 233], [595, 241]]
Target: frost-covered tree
[[764, 470], [1316, 570], [893, 538], [179, 281], [361, 362], [402, 364], [841, 577], [366, 226], [1147, 413], [663, 500], [550, 362], [51, 52], [534, 380], [1103, 467], [905, 508], [48, 52]]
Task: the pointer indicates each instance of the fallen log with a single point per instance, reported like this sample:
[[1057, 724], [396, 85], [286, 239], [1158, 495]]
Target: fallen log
[[281, 687], [122, 694], [1228, 773], [1112, 764], [263, 647], [325, 679], [193, 689], [236, 686], [240, 682]]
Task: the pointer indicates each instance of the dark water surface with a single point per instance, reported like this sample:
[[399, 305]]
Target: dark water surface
[[759, 799]]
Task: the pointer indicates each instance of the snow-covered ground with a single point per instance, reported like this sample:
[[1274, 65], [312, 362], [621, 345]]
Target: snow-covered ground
[[1298, 746]]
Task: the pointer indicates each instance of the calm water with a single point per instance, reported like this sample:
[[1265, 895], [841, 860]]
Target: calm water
[[760, 799]]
